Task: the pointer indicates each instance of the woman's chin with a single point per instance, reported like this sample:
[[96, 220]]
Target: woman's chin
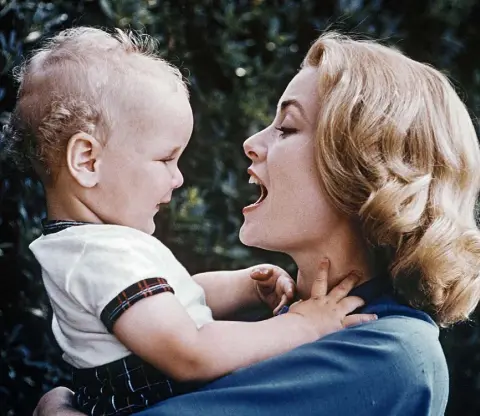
[[249, 236], [252, 236], [243, 235]]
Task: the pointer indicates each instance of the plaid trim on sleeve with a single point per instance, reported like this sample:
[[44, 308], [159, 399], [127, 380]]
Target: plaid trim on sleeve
[[130, 296]]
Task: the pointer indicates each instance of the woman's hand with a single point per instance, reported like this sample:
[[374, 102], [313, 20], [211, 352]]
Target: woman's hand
[[57, 402], [327, 313], [273, 285]]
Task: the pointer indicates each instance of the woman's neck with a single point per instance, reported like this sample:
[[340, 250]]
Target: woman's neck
[[345, 251]]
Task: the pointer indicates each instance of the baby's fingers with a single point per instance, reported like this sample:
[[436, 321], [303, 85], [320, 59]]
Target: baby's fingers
[[319, 286], [286, 286], [344, 287], [261, 274], [349, 304], [357, 319], [283, 302]]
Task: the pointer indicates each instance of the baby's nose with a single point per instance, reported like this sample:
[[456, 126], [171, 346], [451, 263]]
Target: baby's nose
[[177, 179]]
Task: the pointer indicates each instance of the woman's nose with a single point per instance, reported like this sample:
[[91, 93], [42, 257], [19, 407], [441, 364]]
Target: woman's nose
[[254, 147]]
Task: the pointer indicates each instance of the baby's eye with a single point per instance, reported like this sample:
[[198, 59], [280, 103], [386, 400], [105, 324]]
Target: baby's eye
[[285, 131]]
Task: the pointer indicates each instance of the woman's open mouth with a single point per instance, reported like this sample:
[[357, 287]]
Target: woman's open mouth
[[263, 193]]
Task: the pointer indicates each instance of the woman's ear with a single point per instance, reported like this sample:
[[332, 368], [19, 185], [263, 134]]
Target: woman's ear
[[83, 159]]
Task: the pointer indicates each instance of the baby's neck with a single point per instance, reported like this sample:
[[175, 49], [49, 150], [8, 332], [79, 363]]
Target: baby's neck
[[65, 206]]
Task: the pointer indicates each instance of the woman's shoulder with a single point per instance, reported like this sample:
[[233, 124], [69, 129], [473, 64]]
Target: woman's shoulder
[[407, 339], [400, 326], [402, 337], [399, 355]]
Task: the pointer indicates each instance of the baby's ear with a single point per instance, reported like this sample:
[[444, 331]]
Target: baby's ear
[[83, 154]]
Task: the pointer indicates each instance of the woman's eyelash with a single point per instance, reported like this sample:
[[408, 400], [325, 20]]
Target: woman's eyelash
[[285, 131]]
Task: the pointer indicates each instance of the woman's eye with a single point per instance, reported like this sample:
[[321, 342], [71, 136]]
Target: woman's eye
[[285, 131]]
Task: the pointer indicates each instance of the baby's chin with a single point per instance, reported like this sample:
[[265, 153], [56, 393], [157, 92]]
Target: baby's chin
[[147, 227], [150, 228]]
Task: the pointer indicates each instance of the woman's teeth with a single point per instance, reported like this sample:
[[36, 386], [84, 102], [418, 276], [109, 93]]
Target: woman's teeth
[[263, 194], [263, 189]]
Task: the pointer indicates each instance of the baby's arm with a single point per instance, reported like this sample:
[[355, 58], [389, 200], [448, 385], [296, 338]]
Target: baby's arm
[[229, 293], [171, 341]]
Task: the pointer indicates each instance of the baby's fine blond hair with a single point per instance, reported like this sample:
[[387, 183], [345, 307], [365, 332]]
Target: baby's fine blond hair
[[81, 80], [396, 149]]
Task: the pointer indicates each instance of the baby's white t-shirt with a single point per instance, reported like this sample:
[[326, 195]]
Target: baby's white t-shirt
[[94, 272]]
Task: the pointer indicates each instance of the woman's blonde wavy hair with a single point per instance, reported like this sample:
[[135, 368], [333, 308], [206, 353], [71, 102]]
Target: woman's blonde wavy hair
[[396, 148]]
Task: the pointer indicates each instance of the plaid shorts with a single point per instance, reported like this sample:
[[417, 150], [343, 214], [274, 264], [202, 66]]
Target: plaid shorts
[[123, 387]]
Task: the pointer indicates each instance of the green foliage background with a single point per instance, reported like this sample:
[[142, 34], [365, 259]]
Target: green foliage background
[[238, 56]]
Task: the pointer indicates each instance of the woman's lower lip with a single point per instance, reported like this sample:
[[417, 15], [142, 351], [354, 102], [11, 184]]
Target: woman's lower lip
[[251, 207]]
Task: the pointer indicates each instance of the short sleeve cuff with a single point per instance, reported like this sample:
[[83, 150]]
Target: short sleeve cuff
[[131, 295]]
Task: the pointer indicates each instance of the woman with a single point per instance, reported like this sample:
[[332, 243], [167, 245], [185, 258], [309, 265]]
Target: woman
[[372, 162]]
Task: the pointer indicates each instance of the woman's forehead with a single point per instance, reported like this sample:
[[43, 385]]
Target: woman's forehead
[[303, 91]]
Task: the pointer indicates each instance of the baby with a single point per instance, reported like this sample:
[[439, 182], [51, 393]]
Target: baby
[[104, 123]]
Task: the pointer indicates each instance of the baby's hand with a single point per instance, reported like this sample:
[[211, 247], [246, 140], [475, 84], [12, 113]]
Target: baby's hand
[[273, 285], [327, 313]]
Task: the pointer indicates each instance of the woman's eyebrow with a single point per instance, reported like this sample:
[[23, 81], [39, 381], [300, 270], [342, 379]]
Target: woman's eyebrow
[[287, 103]]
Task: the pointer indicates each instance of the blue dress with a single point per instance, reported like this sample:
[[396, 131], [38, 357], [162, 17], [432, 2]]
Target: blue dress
[[392, 366]]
